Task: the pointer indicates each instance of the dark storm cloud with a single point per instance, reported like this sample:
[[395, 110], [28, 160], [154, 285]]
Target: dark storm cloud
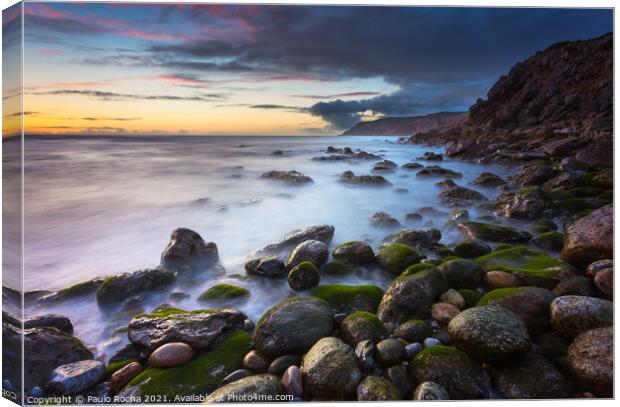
[[127, 96]]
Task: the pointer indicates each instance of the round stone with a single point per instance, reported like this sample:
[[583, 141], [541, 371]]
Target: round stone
[[255, 361], [574, 314], [374, 388], [591, 356], [430, 391], [428, 342], [390, 352], [171, 354], [74, 378], [413, 349], [292, 382], [453, 297], [443, 312], [280, 364], [304, 276], [500, 279], [122, 376], [414, 330]]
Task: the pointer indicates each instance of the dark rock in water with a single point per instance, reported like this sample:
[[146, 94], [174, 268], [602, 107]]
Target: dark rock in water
[[578, 285], [365, 352], [304, 276], [247, 388], [385, 165], [423, 239], [489, 332], [533, 174], [234, 376], [430, 156], [400, 378], [531, 304], [590, 238], [527, 203], [330, 369], [59, 322], [292, 381], [489, 179], [412, 296], [461, 196], [396, 257], [76, 377], [413, 217], [435, 170], [531, 376], [332, 157], [572, 315], [313, 251], [117, 288], [280, 364], [354, 253], [591, 357], [362, 326], [472, 248], [553, 241], [271, 267], [277, 152], [390, 352], [202, 329], [414, 330], [412, 166], [187, 248], [462, 273], [349, 177], [384, 220], [374, 388], [460, 375], [430, 391], [75, 291], [446, 183], [323, 233], [288, 177], [293, 326], [493, 233]]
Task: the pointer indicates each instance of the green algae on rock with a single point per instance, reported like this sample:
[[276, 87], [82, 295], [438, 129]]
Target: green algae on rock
[[360, 326], [345, 299], [493, 233], [224, 292], [304, 276], [337, 268], [462, 273], [396, 257], [374, 388], [471, 297]]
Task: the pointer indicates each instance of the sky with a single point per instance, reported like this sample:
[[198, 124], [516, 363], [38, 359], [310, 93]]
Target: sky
[[205, 69]]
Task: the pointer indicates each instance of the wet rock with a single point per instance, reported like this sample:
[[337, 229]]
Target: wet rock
[[330, 369], [430, 391], [458, 215], [572, 315], [400, 379], [280, 364], [553, 241], [462, 273], [287, 177], [561, 147], [471, 297], [374, 388], [223, 292], [76, 377], [413, 349], [270, 266], [591, 357], [346, 299], [59, 322], [75, 291], [385, 165], [531, 304], [412, 166], [435, 170], [389, 352], [461, 196], [572, 164], [234, 376], [500, 279], [412, 296], [313, 251], [292, 381], [443, 312], [493, 233], [124, 375], [578, 285], [472, 248], [130, 351], [293, 326], [171, 354], [396, 257], [489, 179], [590, 238], [531, 376], [598, 266], [446, 183], [422, 239], [489, 332], [187, 248], [117, 288], [322, 233], [247, 388], [460, 375], [533, 174], [348, 177], [337, 268], [414, 330], [365, 352], [453, 297], [304, 276], [199, 329], [527, 203], [604, 283], [384, 220], [361, 326], [354, 253], [255, 361]]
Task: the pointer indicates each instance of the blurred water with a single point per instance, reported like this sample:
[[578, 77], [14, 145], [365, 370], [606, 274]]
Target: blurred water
[[101, 206]]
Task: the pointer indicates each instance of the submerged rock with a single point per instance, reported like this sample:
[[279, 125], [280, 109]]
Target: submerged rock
[[385, 165], [384, 220], [461, 196], [287, 177], [117, 288], [489, 179], [187, 248], [435, 170], [202, 329], [349, 177], [346, 299], [270, 266]]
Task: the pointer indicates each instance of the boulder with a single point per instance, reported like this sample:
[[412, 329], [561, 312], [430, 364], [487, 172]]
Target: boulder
[[201, 329], [330, 369], [488, 179], [59, 322], [413, 331], [270, 266], [461, 273], [533, 174], [374, 388], [187, 248], [460, 196], [389, 352], [293, 326], [346, 299], [493, 233], [361, 326], [354, 253], [430, 391], [385, 165], [527, 203], [287, 177], [304, 276], [460, 375], [281, 363], [76, 377], [443, 312], [572, 315], [322, 233], [396, 257], [348, 177], [489, 332], [171, 354], [590, 238], [313, 251], [419, 239], [248, 389], [591, 357], [384, 220], [115, 289], [472, 248], [435, 170], [578, 285], [453, 297], [553, 241]]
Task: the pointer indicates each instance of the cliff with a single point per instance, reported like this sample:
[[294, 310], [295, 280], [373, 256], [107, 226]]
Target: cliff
[[408, 125]]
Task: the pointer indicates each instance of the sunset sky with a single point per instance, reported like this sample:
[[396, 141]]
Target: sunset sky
[[246, 69]]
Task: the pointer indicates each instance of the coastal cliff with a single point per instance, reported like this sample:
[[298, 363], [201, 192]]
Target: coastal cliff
[[402, 126]]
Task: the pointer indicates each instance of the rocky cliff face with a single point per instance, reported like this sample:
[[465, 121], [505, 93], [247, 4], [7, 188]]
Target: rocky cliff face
[[401, 126], [562, 95]]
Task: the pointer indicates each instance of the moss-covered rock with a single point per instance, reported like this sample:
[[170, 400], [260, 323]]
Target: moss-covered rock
[[493, 233], [462, 273], [489, 332], [304, 276], [74, 291], [361, 326], [529, 303], [354, 253], [337, 268], [374, 388], [471, 297], [201, 374], [414, 330], [416, 268], [345, 299], [543, 225], [118, 288], [396, 257], [472, 248], [460, 375], [224, 292], [533, 267], [553, 241]]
